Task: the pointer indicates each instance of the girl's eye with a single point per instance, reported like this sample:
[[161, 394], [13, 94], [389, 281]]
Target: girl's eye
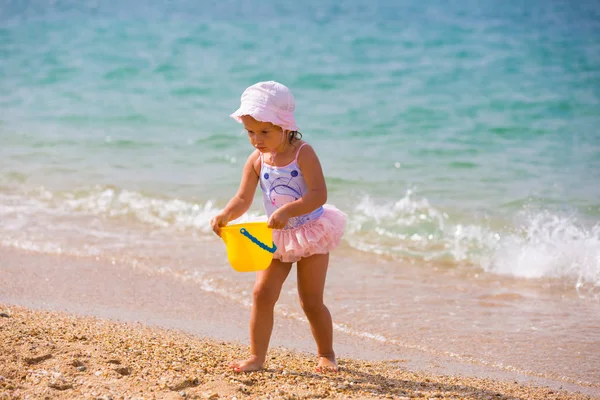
[[264, 132]]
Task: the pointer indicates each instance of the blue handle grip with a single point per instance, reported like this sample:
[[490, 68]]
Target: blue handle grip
[[257, 242]]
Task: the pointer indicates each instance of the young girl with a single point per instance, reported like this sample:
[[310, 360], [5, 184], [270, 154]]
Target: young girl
[[305, 229]]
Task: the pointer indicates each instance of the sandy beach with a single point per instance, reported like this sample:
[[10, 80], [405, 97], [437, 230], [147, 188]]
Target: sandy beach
[[81, 327], [57, 355]]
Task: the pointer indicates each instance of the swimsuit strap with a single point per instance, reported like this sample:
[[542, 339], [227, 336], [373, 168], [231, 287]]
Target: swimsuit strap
[[298, 152], [260, 155]]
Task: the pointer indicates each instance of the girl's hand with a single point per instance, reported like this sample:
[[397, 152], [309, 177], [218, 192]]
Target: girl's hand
[[278, 219], [218, 221]]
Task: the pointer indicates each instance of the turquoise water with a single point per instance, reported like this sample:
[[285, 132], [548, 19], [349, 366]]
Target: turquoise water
[[465, 134]]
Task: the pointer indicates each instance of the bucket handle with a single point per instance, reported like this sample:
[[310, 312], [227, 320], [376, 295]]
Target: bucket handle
[[257, 242]]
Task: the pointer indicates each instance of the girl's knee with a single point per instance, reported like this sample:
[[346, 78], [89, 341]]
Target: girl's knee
[[265, 296], [312, 306]]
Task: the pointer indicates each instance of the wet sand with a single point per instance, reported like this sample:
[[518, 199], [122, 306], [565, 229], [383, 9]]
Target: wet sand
[[81, 327]]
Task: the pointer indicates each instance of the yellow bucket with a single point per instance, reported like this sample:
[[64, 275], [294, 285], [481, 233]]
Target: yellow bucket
[[249, 246]]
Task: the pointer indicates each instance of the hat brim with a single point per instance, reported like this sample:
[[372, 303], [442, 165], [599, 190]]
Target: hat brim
[[264, 115]]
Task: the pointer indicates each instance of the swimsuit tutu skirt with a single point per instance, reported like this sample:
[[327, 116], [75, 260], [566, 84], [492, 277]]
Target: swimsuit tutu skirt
[[318, 236]]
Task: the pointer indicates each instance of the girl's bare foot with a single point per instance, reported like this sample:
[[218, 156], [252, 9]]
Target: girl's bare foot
[[327, 363], [249, 365]]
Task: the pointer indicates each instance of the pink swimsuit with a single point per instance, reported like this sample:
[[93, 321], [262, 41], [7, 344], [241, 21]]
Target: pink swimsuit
[[282, 185], [317, 232]]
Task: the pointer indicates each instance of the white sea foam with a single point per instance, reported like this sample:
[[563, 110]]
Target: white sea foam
[[549, 245], [537, 244]]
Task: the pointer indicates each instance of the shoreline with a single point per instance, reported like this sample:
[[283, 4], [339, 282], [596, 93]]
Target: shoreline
[[121, 294], [58, 355]]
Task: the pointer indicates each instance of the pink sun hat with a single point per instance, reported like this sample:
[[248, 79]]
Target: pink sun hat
[[268, 102]]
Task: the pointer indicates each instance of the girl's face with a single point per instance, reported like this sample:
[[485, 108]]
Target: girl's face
[[264, 136]]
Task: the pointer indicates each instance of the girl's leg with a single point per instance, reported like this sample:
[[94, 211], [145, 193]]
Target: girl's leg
[[266, 292], [311, 284]]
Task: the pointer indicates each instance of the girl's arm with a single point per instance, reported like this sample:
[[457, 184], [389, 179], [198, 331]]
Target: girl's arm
[[316, 195], [241, 202]]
